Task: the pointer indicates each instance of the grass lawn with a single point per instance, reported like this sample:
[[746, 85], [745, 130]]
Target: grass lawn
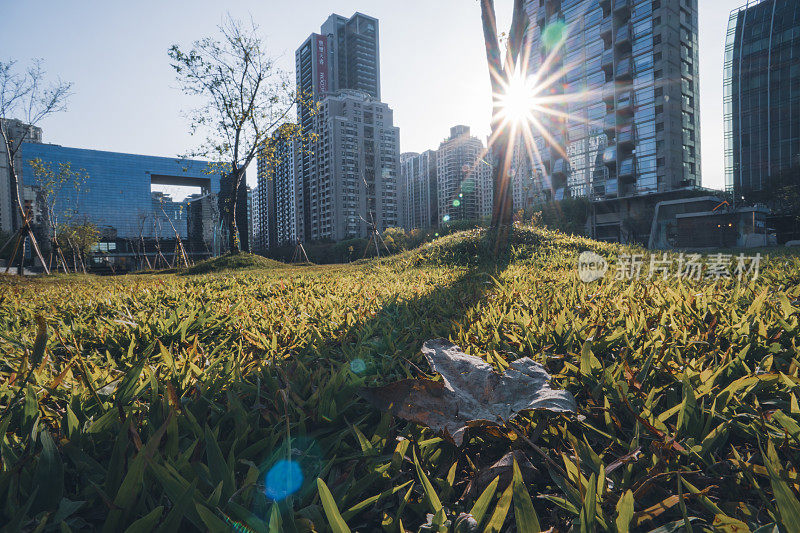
[[227, 398]]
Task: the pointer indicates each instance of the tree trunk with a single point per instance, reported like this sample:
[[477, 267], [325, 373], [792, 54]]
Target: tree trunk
[[231, 203], [21, 266], [502, 147], [501, 214], [18, 216]]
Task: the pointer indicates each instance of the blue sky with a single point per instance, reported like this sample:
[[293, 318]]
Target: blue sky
[[433, 66]]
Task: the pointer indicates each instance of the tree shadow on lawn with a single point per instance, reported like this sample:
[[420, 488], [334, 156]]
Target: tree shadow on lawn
[[376, 347]]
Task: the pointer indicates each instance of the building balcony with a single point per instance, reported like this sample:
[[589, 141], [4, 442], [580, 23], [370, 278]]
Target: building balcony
[[607, 28], [607, 63], [625, 103], [622, 9], [610, 157], [627, 170], [623, 36], [541, 17], [605, 5], [610, 125], [609, 90], [560, 168], [626, 137], [624, 69]]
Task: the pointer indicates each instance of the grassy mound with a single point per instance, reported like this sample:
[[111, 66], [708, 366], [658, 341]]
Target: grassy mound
[[480, 247], [240, 261], [197, 402]]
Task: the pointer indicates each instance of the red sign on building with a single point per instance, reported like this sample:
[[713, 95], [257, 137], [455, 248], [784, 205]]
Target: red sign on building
[[321, 57]]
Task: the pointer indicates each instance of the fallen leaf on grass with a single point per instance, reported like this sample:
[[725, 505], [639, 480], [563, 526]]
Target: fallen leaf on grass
[[470, 392], [504, 468]]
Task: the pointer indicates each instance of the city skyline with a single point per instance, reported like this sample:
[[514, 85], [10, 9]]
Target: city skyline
[[136, 84]]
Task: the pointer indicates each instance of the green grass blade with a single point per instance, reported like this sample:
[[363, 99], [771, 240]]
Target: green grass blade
[[430, 494], [498, 518], [335, 519], [624, 512], [788, 506], [589, 510], [524, 513], [49, 476], [147, 523], [482, 503]]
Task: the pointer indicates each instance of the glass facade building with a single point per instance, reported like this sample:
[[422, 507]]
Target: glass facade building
[[117, 194], [624, 119], [762, 94]]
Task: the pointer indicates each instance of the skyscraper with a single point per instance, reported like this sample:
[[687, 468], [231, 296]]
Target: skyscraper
[[254, 221], [762, 96], [463, 177], [358, 165], [16, 130], [354, 53], [420, 192], [625, 121], [280, 195], [349, 173]]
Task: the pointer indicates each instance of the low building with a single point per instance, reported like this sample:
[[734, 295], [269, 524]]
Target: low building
[[203, 221], [708, 222], [117, 197]]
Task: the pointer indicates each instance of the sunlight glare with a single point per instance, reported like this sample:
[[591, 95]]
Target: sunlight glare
[[518, 100]]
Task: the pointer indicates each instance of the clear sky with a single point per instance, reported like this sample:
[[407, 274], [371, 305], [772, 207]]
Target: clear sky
[[433, 66]]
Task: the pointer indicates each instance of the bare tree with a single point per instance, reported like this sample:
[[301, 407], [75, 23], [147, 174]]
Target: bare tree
[[142, 217], [51, 183], [501, 75], [246, 98], [26, 97]]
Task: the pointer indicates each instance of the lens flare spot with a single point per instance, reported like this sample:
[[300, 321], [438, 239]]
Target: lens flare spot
[[283, 479], [358, 366], [554, 34], [456, 203], [468, 186], [445, 218]]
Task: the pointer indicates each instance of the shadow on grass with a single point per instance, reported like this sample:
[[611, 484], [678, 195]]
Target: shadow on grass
[[380, 347]]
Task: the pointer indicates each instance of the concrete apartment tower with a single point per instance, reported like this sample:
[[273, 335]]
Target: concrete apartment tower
[[358, 168], [636, 132], [16, 130], [762, 97], [280, 198], [350, 174], [418, 176], [464, 178]]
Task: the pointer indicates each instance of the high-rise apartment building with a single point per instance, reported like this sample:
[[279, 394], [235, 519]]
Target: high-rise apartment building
[[254, 221], [358, 165], [354, 53], [629, 122], [762, 96], [280, 194], [419, 190], [17, 131], [347, 177], [464, 177]]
